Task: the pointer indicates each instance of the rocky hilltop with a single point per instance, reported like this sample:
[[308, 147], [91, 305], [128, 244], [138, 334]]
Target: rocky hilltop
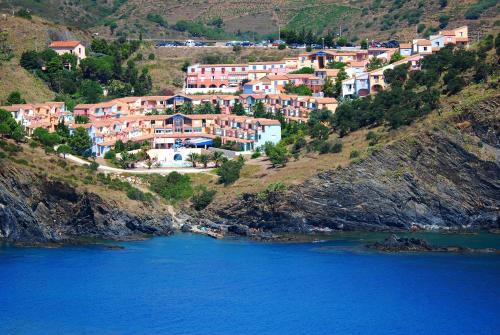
[[444, 177], [35, 209]]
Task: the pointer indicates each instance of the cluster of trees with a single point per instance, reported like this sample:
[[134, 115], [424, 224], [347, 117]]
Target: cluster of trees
[[216, 157], [413, 94], [204, 108], [78, 143], [6, 51], [9, 127], [84, 83]]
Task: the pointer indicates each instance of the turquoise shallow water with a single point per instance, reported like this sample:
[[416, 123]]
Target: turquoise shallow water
[[188, 284]]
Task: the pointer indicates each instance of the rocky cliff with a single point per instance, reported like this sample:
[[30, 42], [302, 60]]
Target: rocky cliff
[[37, 209], [445, 177]]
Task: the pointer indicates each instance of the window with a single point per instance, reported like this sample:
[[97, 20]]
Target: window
[[256, 88], [223, 70], [243, 69], [213, 69], [202, 70], [192, 70], [233, 69]]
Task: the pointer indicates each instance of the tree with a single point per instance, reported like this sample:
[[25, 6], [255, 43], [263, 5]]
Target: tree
[[80, 142], [328, 87], [342, 75], [63, 149], [259, 110], [238, 109], [14, 98], [229, 172], [149, 163], [217, 158], [4, 130], [18, 134], [204, 159], [193, 158], [217, 142], [320, 132], [91, 91], [81, 119], [364, 44], [374, 63], [277, 154], [395, 57], [299, 89]]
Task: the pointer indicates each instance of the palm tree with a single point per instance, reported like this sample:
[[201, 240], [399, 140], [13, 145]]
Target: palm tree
[[193, 158], [218, 158], [204, 159]]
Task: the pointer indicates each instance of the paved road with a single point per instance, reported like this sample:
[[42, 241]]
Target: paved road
[[111, 169]]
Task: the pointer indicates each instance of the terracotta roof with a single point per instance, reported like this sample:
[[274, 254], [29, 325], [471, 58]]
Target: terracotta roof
[[326, 100], [424, 42], [405, 46], [64, 44], [223, 65]]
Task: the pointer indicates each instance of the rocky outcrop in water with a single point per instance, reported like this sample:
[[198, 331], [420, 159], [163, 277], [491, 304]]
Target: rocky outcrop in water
[[34, 209], [409, 244], [439, 178]]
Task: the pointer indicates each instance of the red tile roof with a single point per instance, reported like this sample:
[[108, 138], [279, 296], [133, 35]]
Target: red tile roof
[[64, 44]]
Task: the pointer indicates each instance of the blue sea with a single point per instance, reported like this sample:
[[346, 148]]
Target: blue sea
[[189, 284]]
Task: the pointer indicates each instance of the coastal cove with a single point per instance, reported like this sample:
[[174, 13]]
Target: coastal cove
[[190, 284]]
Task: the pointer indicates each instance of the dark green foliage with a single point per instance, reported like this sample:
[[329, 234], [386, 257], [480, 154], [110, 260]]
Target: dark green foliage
[[304, 70], [24, 13], [47, 139], [229, 172], [81, 119], [157, 18], [277, 154], [80, 142], [281, 47], [91, 91], [336, 147], [93, 166], [475, 11], [320, 132], [9, 127], [299, 89], [172, 187], [136, 194], [202, 197], [217, 142], [443, 21], [14, 98], [238, 109]]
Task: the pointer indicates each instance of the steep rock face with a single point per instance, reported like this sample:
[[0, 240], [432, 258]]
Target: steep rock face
[[435, 179], [33, 209]]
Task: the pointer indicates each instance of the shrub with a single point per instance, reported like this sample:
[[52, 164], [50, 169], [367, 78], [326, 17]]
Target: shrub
[[372, 137], [336, 147], [93, 166], [151, 56], [111, 154], [323, 147], [173, 187], [202, 198], [136, 194], [282, 46], [256, 154], [229, 172], [354, 154]]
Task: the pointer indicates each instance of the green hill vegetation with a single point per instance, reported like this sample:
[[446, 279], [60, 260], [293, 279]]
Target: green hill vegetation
[[373, 19]]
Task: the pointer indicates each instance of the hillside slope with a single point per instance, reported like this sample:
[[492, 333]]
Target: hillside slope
[[446, 176], [22, 35], [373, 19], [44, 199]]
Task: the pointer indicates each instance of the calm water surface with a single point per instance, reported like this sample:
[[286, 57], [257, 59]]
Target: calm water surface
[[190, 284]]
